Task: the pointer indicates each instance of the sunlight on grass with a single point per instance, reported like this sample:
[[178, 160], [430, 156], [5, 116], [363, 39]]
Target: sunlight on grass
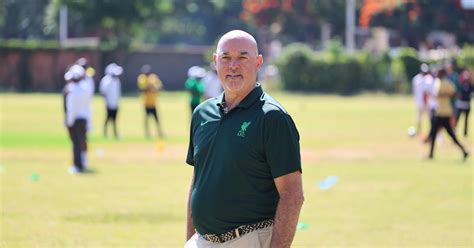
[[387, 194]]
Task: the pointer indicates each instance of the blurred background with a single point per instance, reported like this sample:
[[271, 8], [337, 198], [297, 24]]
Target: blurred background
[[342, 68], [380, 44]]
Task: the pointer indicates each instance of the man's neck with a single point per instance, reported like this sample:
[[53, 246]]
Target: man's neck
[[232, 100]]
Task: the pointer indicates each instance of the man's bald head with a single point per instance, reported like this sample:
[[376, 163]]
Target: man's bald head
[[237, 35], [237, 63]]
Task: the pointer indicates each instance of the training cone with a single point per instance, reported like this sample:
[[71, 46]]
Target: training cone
[[302, 226], [160, 146], [328, 182], [34, 177]]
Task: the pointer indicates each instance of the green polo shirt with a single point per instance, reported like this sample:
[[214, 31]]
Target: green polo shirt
[[236, 157]]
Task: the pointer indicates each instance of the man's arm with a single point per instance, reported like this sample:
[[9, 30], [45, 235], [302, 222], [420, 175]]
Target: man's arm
[[189, 223], [290, 189], [71, 108]]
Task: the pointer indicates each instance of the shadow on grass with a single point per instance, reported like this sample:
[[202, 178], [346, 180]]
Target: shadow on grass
[[89, 172], [107, 218]]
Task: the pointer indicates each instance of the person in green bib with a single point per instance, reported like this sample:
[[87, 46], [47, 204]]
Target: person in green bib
[[195, 86], [246, 189]]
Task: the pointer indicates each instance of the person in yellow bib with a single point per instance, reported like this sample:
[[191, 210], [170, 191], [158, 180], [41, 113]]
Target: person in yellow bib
[[444, 91], [150, 84]]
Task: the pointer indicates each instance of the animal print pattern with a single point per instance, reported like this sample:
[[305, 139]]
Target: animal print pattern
[[236, 233]]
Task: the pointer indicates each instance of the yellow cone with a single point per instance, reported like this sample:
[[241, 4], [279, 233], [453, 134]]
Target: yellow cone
[[160, 146]]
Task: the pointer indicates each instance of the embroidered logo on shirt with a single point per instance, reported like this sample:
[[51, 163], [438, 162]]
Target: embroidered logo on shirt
[[204, 123], [243, 129]]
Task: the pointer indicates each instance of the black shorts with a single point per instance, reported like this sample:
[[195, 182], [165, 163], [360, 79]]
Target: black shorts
[[151, 111], [112, 113]]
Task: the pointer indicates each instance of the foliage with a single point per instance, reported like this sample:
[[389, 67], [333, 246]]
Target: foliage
[[400, 81], [333, 71], [294, 66], [201, 21], [375, 71], [110, 20], [29, 44], [23, 19], [133, 23], [409, 58], [296, 20], [301, 20], [126, 23], [414, 20], [466, 58]]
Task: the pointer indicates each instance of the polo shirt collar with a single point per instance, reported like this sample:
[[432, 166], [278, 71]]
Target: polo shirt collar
[[253, 96]]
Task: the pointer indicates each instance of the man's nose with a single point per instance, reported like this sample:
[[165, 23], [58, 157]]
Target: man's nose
[[234, 63]]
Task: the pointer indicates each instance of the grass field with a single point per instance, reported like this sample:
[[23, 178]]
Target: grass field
[[387, 195]]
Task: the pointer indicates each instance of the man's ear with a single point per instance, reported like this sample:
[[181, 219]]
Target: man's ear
[[259, 61]]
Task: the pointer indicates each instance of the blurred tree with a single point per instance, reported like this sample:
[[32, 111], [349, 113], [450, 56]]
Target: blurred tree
[[298, 20], [414, 19], [117, 21], [201, 21], [149, 21], [372, 7], [22, 19], [2, 14]]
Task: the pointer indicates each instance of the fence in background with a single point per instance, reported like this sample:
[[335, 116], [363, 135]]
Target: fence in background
[[43, 69]]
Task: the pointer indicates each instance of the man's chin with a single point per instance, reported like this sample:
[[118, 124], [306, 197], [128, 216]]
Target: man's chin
[[234, 86]]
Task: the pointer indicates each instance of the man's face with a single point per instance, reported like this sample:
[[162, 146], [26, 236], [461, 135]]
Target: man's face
[[237, 63]]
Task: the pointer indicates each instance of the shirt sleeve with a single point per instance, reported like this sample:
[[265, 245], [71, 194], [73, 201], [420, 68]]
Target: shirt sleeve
[[281, 144], [91, 85], [70, 108], [141, 81], [103, 85]]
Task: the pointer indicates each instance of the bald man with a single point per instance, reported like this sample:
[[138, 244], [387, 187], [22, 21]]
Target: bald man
[[246, 189]]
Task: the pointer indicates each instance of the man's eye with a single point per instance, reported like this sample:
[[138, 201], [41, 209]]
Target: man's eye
[[243, 57]]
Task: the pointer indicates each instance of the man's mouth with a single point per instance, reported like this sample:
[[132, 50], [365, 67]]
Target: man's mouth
[[237, 76]]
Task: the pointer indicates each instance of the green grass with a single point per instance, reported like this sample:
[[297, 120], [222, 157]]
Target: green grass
[[387, 194]]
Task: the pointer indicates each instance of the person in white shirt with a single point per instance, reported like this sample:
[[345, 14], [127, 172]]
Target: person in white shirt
[[110, 88], [88, 84], [89, 72], [421, 86], [212, 84], [77, 114]]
